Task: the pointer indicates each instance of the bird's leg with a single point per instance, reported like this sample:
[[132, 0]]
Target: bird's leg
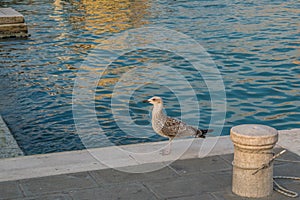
[[167, 150]]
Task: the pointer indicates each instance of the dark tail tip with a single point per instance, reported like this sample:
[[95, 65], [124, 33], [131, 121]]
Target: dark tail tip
[[202, 132]]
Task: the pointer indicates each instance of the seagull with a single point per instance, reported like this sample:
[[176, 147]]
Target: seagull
[[170, 127]]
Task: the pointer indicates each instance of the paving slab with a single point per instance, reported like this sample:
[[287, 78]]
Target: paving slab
[[228, 158], [48, 197], [60, 183], [132, 191], [10, 190], [208, 164], [111, 176], [183, 186], [288, 169], [228, 195], [205, 196]]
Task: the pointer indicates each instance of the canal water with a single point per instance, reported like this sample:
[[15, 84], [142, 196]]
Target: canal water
[[255, 45]]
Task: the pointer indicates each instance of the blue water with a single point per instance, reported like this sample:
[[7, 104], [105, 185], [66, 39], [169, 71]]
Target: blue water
[[255, 46]]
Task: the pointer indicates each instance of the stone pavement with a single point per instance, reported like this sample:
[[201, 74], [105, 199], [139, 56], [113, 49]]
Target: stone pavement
[[207, 178]]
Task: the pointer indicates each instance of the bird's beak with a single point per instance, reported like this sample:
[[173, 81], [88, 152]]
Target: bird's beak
[[146, 101]]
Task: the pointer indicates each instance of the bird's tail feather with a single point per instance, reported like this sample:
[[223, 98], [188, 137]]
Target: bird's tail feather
[[202, 132]]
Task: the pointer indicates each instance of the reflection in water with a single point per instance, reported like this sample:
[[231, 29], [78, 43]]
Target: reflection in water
[[103, 16]]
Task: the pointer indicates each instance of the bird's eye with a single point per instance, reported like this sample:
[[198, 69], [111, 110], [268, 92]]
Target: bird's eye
[[153, 99]]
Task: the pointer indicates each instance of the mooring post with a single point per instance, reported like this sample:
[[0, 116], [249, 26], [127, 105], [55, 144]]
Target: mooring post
[[252, 164]]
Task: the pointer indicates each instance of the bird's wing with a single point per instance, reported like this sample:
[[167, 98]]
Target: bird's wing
[[174, 127]]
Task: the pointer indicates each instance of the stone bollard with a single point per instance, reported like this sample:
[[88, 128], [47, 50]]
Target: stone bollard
[[253, 149]]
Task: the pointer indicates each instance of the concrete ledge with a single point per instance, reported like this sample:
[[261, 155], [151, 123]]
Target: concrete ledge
[[122, 156], [95, 159], [290, 139], [8, 145]]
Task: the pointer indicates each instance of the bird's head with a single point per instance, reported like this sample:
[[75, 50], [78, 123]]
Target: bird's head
[[154, 100]]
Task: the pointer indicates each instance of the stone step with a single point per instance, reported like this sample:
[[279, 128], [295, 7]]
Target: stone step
[[12, 24], [10, 16], [13, 30]]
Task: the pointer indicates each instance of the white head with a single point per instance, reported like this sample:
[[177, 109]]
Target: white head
[[154, 100]]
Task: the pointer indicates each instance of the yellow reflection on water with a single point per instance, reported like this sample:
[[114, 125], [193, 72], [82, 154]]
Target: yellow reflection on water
[[111, 15], [106, 16]]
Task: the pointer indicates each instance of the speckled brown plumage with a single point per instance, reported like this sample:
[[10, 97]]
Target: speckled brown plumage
[[168, 126]]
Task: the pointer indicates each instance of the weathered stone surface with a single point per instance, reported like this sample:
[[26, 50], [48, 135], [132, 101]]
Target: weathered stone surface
[[228, 195], [10, 190], [48, 197], [187, 185], [290, 140], [107, 184], [208, 164], [53, 184], [10, 16], [12, 24], [253, 147], [181, 180], [13, 30], [253, 135], [109, 176], [132, 191], [205, 196], [8, 145]]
